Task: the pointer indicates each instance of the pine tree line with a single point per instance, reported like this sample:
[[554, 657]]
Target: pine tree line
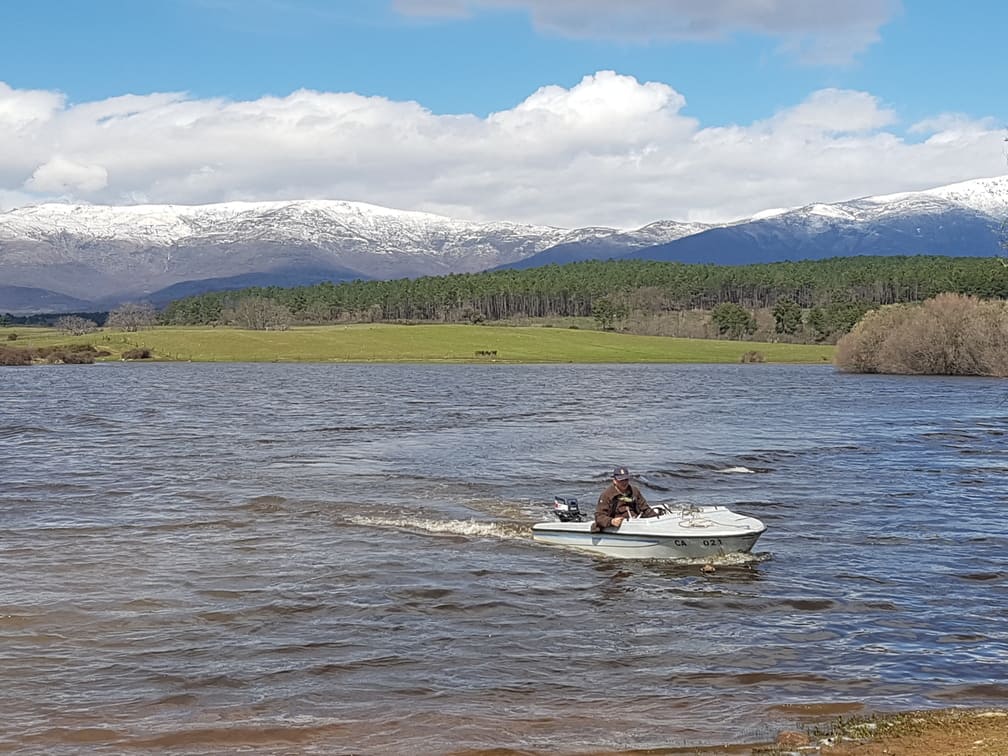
[[632, 286]]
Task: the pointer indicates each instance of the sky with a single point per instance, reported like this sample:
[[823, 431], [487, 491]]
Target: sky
[[566, 113]]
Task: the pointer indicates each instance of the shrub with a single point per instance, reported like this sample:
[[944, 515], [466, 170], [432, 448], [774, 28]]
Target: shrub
[[61, 349], [11, 337], [950, 334], [858, 351], [753, 356], [15, 356], [66, 354], [472, 315], [139, 353], [73, 357]]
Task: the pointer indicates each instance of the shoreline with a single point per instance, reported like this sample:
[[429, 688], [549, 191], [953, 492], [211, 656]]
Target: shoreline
[[935, 732]]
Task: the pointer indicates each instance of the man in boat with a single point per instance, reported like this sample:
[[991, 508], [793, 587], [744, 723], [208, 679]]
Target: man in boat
[[620, 501]]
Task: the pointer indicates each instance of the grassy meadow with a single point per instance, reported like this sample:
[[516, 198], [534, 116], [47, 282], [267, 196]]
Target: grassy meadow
[[382, 342]]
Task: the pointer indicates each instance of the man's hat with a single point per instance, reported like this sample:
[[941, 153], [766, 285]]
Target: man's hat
[[621, 473]]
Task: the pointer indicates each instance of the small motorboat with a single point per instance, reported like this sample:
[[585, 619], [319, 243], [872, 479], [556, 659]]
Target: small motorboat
[[684, 532]]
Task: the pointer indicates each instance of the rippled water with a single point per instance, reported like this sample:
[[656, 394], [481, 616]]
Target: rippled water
[[320, 558]]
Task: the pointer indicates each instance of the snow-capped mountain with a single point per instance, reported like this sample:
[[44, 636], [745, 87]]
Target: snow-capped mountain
[[107, 255], [605, 243], [963, 219], [335, 227], [54, 257]]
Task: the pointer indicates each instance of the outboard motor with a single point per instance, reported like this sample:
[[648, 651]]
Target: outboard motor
[[566, 509]]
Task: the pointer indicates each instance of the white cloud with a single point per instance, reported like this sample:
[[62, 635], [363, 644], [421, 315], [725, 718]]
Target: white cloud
[[834, 111], [820, 31], [24, 108], [59, 176], [947, 124], [608, 151], [604, 97]]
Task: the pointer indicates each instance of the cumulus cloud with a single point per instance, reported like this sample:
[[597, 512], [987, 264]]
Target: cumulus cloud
[[60, 175], [817, 31], [610, 150], [24, 108]]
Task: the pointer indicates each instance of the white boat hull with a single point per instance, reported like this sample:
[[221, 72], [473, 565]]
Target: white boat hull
[[691, 533]]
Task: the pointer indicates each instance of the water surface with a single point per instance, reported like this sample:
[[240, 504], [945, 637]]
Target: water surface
[[320, 558]]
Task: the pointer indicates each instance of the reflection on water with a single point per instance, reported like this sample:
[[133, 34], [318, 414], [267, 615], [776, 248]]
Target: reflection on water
[[315, 558]]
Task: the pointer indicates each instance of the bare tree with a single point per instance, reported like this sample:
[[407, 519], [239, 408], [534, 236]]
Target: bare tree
[[75, 325], [258, 314], [132, 316]]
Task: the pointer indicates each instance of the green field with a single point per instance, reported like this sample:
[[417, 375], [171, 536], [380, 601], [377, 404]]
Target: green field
[[419, 343]]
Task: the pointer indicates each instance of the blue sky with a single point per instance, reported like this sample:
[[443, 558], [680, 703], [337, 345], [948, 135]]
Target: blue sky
[[562, 112]]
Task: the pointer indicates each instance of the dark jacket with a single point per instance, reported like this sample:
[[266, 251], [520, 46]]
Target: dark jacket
[[612, 503]]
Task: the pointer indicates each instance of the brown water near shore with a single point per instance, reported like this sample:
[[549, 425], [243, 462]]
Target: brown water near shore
[[955, 732]]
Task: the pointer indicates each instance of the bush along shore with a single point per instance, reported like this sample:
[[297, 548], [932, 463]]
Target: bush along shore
[[949, 334], [62, 354], [66, 354]]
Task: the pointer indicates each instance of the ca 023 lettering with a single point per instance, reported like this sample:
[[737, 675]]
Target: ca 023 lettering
[[706, 542]]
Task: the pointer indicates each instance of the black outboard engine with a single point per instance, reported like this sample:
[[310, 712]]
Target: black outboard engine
[[566, 509]]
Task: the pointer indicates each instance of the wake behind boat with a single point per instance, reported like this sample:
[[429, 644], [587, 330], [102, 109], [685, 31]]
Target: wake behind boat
[[678, 532]]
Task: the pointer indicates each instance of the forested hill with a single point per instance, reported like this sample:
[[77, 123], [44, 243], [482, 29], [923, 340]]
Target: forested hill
[[573, 289]]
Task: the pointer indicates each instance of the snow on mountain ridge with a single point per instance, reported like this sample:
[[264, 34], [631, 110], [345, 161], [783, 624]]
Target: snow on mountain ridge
[[313, 221], [985, 195], [660, 232], [329, 222], [839, 211]]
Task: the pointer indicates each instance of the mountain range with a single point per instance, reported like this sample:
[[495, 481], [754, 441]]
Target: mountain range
[[63, 257]]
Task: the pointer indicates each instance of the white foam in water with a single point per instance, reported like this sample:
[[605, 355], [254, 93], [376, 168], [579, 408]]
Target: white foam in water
[[736, 470], [739, 558], [443, 527], [735, 559]]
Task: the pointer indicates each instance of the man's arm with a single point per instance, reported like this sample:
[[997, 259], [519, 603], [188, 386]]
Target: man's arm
[[604, 512]]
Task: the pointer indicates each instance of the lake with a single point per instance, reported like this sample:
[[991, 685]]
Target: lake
[[306, 558]]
